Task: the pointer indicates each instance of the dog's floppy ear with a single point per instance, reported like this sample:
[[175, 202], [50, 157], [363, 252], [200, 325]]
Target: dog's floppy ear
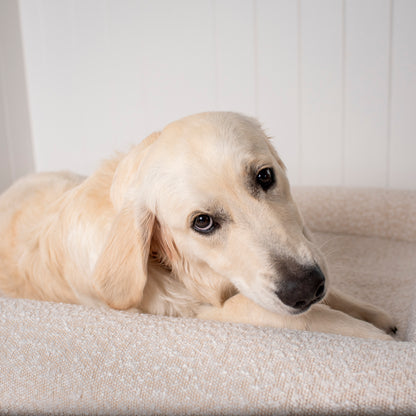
[[120, 273], [127, 170]]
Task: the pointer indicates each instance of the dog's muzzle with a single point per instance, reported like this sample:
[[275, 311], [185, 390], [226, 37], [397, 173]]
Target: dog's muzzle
[[301, 286]]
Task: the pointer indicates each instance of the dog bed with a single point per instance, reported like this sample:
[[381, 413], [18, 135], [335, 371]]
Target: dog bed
[[70, 359]]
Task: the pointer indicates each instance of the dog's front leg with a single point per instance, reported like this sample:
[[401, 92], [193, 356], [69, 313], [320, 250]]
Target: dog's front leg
[[240, 309], [360, 310], [320, 318]]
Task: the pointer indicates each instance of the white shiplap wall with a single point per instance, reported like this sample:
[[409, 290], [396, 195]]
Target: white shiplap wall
[[333, 81], [16, 152]]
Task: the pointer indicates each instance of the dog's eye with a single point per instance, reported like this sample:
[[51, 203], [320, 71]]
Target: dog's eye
[[203, 223], [265, 178]]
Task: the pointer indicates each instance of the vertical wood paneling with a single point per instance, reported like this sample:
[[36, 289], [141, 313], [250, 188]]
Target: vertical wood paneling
[[5, 165], [69, 68], [367, 92], [278, 89], [402, 172], [321, 106], [235, 56], [325, 77], [16, 154], [106, 65], [178, 58], [126, 76]]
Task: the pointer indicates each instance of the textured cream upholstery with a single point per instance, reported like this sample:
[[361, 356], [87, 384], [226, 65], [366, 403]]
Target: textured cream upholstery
[[71, 359]]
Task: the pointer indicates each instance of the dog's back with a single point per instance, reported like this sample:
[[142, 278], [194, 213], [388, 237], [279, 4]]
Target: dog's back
[[22, 209]]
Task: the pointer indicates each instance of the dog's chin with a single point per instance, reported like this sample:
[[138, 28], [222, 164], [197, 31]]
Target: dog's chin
[[287, 310], [292, 311], [275, 305], [299, 311]]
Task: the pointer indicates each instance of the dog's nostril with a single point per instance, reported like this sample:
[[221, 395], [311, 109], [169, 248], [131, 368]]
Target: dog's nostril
[[300, 304], [319, 292]]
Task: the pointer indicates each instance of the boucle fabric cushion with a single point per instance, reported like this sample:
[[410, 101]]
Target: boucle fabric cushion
[[72, 359], [376, 270], [385, 213], [66, 359], [380, 265]]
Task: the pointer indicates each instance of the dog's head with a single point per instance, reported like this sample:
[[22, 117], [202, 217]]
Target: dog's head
[[211, 199]]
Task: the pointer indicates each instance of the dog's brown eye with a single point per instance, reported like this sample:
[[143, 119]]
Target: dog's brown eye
[[204, 224], [265, 178]]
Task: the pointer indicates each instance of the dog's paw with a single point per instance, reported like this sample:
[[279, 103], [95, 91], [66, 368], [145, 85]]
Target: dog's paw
[[379, 319], [363, 329], [324, 319], [379, 333], [392, 330]]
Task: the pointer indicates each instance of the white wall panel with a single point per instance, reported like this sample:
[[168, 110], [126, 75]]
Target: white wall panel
[[321, 78], [111, 72], [332, 80], [402, 168], [235, 56], [16, 154], [5, 160], [177, 51], [367, 92], [126, 65], [73, 75], [278, 78]]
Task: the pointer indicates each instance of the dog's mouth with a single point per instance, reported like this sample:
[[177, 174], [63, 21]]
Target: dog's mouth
[[304, 306]]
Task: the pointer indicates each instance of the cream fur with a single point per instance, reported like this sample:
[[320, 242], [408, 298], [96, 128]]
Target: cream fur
[[122, 237]]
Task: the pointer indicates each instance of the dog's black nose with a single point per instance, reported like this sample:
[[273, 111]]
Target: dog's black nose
[[302, 286]]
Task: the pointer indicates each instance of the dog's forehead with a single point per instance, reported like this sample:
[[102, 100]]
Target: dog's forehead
[[203, 160], [214, 135]]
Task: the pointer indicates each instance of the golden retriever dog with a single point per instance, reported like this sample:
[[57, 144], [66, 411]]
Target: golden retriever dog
[[196, 220]]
